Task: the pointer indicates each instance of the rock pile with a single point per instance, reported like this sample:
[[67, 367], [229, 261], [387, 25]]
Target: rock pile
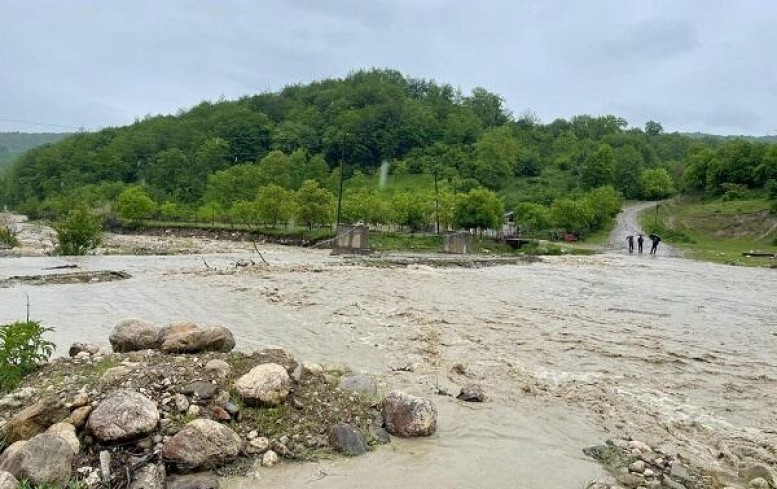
[[174, 400], [635, 464]]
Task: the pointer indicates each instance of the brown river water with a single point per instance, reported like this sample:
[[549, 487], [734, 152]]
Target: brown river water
[[572, 350]]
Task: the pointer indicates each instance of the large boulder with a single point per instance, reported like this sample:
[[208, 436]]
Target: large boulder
[[134, 335], [267, 384], [190, 338], [150, 476], [123, 415], [8, 481], [45, 460], [10, 456], [409, 416], [202, 444], [67, 432], [34, 419]]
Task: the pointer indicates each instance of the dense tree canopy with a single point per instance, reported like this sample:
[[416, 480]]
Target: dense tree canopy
[[276, 157]]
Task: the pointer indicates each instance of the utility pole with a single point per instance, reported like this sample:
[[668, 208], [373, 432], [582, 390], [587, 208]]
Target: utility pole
[[436, 202], [342, 172]]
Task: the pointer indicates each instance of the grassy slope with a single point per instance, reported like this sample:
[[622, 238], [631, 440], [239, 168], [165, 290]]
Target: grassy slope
[[717, 231]]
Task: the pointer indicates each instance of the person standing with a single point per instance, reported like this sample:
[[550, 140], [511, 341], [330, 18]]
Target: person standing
[[654, 247], [630, 239], [640, 240]]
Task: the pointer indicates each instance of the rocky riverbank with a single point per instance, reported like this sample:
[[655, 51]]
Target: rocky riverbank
[[177, 406]]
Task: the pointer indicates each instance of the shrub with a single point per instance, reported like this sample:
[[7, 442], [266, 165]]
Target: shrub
[[734, 191], [7, 233], [78, 233], [8, 237], [22, 349], [771, 188], [134, 204]]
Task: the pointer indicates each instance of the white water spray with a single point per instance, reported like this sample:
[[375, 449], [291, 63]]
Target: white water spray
[[384, 171]]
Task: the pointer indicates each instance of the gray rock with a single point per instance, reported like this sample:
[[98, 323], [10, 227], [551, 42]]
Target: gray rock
[[232, 409], [275, 354], [133, 335], [217, 367], [637, 466], [307, 371], [758, 483], [150, 476], [679, 471], [257, 444], [756, 471], [347, 439], [68, 433], [115, 374], [45, 460], [472, 393], [201, 389], [202, 444], [409, 416], [8, 481], [181, 403], [266, 384], [89, 348], [672, 484], [191, 338], [193, 481], [34, 419], [380, 435], [359, 383], [123, 415]]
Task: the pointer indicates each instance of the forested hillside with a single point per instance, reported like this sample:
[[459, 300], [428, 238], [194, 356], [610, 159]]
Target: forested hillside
[[275, 157], [12, 144]]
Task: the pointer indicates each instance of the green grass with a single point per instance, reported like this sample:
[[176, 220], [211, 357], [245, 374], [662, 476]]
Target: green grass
[[404, 241], [716, 230]]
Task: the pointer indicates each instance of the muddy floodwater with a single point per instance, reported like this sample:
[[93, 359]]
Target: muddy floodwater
[[572, 351]]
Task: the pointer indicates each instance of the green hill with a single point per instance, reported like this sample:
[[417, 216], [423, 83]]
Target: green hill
[[13, 144], [249, 159]]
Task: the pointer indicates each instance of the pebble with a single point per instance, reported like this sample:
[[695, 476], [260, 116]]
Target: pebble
[[638, 467]]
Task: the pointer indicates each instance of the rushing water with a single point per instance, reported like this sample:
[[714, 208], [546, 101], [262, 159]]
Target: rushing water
[[572, 351]]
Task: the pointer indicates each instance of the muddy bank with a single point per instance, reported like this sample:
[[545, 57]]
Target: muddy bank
[[91, 277]]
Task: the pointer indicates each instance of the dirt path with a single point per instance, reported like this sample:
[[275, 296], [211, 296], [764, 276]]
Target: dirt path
[[628, 224]]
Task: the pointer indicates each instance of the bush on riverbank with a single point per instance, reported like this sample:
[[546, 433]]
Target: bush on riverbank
[[22, 349], [78, 233]]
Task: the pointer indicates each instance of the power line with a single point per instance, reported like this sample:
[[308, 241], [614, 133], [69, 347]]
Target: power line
[[35, 123]]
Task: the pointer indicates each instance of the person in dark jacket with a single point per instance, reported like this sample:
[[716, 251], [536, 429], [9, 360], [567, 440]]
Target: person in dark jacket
[[640, 240], [655, 239], [630, 239]]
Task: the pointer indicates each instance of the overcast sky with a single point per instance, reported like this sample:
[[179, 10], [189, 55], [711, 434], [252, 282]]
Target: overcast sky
[[692, 65]]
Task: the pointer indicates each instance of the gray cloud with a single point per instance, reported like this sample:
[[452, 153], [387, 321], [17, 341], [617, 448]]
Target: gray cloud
[[696, 65]]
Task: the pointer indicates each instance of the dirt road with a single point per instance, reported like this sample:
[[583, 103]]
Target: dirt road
[[628, 224]]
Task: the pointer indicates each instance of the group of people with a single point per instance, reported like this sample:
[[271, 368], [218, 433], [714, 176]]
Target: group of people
[[655, 239]]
